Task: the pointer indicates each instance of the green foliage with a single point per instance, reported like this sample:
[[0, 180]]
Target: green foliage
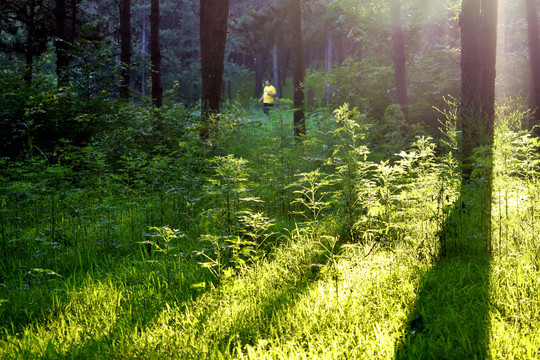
[[76, 282]]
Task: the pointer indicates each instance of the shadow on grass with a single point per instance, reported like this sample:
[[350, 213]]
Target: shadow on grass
[[227, 327], [452, 307]]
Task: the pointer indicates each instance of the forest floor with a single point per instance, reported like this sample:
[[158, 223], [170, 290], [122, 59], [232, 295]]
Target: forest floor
[[381, 304]]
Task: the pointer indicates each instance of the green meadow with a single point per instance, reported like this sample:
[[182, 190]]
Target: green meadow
[[357, 242]]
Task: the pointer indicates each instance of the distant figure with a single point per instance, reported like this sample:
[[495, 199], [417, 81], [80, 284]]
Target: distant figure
[[268, 97]]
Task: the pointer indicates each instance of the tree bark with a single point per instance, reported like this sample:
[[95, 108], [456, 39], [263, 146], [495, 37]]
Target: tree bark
[[400, 69], [275, 70], [213, 36], [258, 73], [298, 70], [62, 60], [489, 9], [125, 47], [155, 54], [534, 60], [470, 82], [328, 64]]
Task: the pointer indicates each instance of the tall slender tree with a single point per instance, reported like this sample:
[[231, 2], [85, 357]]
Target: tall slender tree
[[125, 46], [400, 69], [155, 54], [298, 69], [60, 42], [328, 64], [478, 52], [477, 112], [213, 35], [534, 59], [489, 12], [470, 81]]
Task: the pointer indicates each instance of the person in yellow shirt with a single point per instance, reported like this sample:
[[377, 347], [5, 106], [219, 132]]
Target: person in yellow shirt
[[268, 97]]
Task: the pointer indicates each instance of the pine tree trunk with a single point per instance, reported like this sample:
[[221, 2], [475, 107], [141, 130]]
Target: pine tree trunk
[[214, 15], [534, 60], [155, 54], [328, 66], [470, 82], [275, 70], [60, 43], [400, 69], [258, 73], [144, 50], [298, 70], [125, 47], [488, 42]]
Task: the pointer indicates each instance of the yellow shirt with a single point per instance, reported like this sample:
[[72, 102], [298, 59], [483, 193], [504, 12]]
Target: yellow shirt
[[267, 91]]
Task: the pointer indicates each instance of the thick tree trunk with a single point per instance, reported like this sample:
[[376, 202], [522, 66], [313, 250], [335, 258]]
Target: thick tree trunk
[[298, 69], [214, 15], [478, 23], [400, 69], [534, 60], [155, 54], [488, 42], [470, 82], [125, 47]]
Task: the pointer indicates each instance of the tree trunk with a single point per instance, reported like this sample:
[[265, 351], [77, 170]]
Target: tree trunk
[[298, 69], [125, 47], [340, 55], [144, 51], [534, 60], [29, 70], [214, 15], [488, 43], [275, 70], [400, 69], [258, 73], [60, 43], [328, 64], [73, 29], [155, 54], [470, 82]]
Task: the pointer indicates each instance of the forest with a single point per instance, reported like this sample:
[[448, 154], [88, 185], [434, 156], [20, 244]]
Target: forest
[[280, 179]]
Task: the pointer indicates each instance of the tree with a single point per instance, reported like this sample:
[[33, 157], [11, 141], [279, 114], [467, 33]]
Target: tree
[[470, 81], [125, 46], [534, 59], [155, 54], [257, 33], [400, 70], [213, 35], [28, 25], [478, 48], [62, 60], [298, 69]]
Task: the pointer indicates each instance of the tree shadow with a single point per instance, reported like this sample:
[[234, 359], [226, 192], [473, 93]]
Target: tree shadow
[[451, 315]]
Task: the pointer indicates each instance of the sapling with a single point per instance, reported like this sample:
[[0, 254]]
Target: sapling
[[166, 235], [352, 167], [227, 186], [312, 193]]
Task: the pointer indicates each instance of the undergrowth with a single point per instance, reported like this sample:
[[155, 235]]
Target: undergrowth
[[264, 247]]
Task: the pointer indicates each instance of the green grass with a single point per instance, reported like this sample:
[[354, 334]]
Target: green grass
[[92, 290], [282, 309]]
